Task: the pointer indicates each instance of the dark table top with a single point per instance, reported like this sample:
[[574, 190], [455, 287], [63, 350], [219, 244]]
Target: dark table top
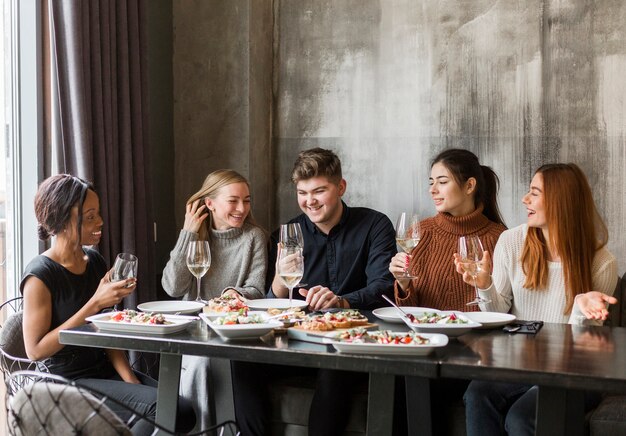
[[560, 355], [200, 340]]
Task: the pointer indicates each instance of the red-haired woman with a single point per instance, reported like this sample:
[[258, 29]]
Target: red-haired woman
[[555, 268]]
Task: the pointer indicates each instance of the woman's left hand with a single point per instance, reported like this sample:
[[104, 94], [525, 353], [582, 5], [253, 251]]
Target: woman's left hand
[[594, 304]]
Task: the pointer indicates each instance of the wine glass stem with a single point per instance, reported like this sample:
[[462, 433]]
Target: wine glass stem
[[198, 297], [476, 290], [290, 295]]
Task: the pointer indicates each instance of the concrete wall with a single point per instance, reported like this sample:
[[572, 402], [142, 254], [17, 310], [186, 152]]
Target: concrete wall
[[222, 65], [387, 84]]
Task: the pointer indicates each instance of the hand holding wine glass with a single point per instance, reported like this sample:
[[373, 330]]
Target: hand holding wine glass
[[408, 236], [470, 261], [290, 267], [198, 261]]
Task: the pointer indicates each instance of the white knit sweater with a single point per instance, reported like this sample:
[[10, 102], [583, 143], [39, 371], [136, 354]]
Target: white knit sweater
[[508, 294]]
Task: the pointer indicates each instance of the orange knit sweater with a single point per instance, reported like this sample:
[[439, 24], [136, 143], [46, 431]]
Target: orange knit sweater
[[438, 285]]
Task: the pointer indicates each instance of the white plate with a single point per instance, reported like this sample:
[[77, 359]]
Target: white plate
[[242, 331], [436, 340], [275, 303], [390, 314], [451, 330], [491, 320], [171, 306], [179, 322]]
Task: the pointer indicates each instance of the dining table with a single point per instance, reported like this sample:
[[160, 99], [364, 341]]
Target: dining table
[[563, 360]]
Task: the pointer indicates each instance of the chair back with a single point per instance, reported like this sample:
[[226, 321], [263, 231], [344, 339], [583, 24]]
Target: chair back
[[12, 351], [52, 405]]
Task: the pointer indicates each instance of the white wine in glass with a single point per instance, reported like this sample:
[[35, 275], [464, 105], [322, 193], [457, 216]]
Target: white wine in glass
[[471, 253], [408, 235], [290, 268], [198, 261]]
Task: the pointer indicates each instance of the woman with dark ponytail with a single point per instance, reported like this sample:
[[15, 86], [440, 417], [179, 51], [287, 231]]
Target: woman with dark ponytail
[[465, 197]]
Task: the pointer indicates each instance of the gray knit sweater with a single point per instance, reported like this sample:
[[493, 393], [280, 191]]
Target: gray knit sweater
[[238, 261]]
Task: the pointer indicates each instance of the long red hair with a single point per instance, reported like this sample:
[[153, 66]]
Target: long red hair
[[576, 231]]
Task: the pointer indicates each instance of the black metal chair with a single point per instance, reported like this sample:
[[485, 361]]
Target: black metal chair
[[52, 405], [12, 352]]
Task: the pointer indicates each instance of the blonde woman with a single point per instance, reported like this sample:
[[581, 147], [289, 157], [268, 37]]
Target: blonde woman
[[219, 213]]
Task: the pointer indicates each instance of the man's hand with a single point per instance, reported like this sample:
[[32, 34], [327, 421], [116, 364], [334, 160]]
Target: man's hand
[[320, 297]]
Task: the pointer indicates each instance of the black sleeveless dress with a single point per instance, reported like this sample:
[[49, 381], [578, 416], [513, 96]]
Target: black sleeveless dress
[[69, 293]]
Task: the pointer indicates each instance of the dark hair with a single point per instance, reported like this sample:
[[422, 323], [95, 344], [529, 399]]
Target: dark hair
[[55, 198], [317, 162], [463, 164]]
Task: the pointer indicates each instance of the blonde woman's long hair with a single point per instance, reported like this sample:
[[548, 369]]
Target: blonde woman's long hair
[[575, 229], [210, 188]]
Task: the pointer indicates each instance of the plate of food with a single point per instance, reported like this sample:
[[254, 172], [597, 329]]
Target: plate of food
[[315, 327], [491, 320], [390, 314], [224, 305], [253, 325], [174, 307], [276, 303], [450, 323], [361, 341], [128, 320]]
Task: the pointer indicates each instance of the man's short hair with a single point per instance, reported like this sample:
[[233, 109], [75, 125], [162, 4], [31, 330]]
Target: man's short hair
[[317, 162]]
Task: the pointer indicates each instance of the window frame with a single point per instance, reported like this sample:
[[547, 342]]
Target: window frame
[[24, 136]]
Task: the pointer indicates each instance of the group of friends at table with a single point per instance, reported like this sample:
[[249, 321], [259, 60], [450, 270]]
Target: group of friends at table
[[554, 268]]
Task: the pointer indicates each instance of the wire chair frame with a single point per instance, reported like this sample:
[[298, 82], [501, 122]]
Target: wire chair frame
[[88, 397], [10, 363]]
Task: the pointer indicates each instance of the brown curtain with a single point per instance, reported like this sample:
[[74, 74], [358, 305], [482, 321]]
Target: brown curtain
[[98, 117]]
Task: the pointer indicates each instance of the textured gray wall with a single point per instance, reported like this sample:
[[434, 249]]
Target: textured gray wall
[[387, 84], [222, 64]]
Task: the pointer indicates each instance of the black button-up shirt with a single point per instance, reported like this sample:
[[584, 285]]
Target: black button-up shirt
[[352, 260]]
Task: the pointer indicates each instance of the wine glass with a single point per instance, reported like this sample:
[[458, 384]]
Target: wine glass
[[124, 267], [290, 267], [471, 253], [408, 235], [198, 261], [291, 235]]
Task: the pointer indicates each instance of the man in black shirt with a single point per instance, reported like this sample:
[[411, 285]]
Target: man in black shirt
[[346, 257], [346, 250]]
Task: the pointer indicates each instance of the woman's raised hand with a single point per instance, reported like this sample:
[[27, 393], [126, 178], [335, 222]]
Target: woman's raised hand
[[483, 278], [195, 214], [594, 304], [111, 293]]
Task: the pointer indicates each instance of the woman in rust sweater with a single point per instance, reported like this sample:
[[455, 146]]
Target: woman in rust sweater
[[465, 196]]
